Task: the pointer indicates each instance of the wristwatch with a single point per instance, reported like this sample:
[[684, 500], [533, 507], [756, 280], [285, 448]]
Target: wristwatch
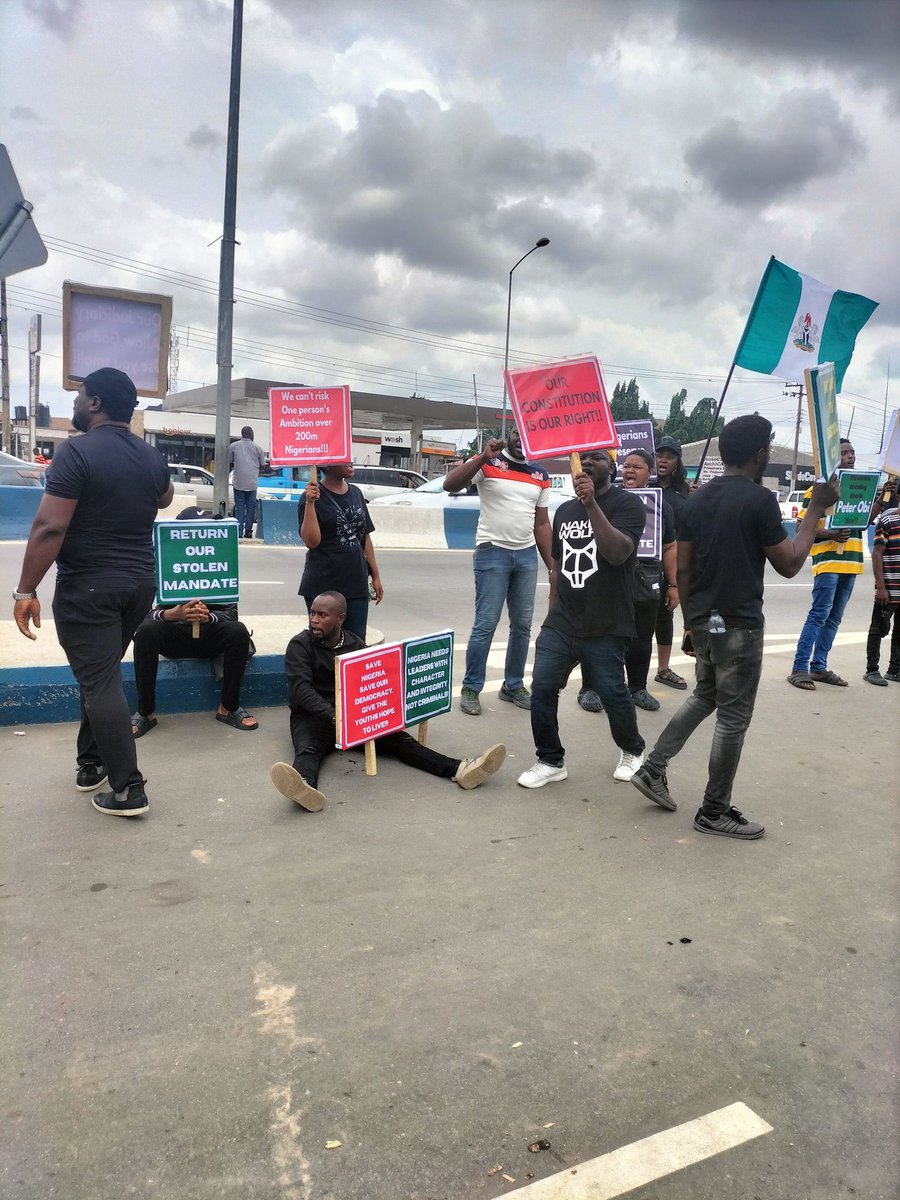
[[24, 595]]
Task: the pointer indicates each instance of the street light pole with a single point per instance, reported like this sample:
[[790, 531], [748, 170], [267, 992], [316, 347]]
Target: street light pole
[[541, 242]]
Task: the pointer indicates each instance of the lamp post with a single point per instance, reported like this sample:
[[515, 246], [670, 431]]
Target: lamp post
[[541, 242]]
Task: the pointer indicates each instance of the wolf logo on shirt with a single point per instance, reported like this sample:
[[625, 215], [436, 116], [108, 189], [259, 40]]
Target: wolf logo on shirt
[[578, 563]]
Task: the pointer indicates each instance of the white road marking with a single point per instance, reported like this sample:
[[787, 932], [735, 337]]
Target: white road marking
[[653, 1157], [267, 582]]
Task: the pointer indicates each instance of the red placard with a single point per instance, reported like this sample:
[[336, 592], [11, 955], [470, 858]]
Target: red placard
[[370, 694], [309, 426], [561, 408]]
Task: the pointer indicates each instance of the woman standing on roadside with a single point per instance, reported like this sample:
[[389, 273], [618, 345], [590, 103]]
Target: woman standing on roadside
[[672, 478], [335, 526], [655, 586]]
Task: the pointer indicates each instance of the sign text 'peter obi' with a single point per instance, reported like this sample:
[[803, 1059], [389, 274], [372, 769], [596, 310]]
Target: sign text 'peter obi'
[[196, 560], [309, 426], [561, 408], [854, 506]]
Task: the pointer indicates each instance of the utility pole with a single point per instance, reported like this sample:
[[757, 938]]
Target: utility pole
[[34, 380], [5, 424], [796, 389]]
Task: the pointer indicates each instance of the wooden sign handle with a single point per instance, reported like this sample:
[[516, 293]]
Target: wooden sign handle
[[195, 629], [422, 734], [313, 475], [575, 463], [371, 764]]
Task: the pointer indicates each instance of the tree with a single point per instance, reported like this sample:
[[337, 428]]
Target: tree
[[485, 435], [701, 419], [626, 403], [678, 423]]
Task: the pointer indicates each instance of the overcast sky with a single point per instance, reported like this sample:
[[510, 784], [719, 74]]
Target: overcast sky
[[396, 159]]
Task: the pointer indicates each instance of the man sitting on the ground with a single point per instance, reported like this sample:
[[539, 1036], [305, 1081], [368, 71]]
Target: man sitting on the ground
[[309, 663], [169, 630]]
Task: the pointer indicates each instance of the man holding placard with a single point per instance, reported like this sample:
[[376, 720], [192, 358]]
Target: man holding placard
[[513, 527], [837, 559], [309, 664]]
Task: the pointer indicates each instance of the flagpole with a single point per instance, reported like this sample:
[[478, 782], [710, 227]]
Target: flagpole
[[712, 427]]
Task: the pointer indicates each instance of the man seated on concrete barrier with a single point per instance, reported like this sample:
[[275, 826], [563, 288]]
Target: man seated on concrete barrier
[[309, 663], [169, 630]]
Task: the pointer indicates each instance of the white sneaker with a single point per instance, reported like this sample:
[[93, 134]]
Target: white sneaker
[[540, 774], [474, 771], [294, 787], [628, 764]]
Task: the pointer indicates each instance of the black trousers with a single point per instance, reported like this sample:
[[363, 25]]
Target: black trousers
[[94, 628], [640, 648], [313, 741], [878, 628], [174, 639]]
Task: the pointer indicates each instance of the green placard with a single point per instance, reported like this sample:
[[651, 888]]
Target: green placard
[[196, 560], [858, 492], [428, 664], [821, 398]]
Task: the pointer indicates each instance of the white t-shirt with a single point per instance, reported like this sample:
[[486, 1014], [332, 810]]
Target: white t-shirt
[[510, 492]]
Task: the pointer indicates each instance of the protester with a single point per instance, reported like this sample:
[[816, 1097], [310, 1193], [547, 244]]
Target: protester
[[245, 458], [886, 569], [729, 528], [655, 586], [837, 559], [513, 527], [309, 663], [672, 478], [169, 630], [335, 526], [39, 457], [95, 521], [591, 617]]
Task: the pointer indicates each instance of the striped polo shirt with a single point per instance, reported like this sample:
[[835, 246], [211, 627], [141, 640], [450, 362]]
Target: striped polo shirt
[[887, 535], [837, 558], [509, 493]]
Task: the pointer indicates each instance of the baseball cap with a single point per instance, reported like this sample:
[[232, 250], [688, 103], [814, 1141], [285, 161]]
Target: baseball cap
[[192, 513], [111, 386], [669, 443]]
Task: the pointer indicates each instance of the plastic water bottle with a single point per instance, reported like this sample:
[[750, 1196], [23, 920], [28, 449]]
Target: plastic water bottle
[[716, 622]]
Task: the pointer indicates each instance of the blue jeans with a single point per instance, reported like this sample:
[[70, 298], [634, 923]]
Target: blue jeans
[[245, 510], [602, 662], [728, 669], [501, 575], [830, 594]]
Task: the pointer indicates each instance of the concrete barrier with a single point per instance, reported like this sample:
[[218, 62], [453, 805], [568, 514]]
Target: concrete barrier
[[276, 523], [17, 508]]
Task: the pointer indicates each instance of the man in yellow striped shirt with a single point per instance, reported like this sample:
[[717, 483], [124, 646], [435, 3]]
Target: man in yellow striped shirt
[[837, 559]]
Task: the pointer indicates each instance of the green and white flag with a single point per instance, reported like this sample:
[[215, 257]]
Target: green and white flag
[[797, 322]]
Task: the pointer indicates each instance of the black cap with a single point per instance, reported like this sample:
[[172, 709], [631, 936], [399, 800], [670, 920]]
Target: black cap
[[112, 387], [195, 514], [669, 443]]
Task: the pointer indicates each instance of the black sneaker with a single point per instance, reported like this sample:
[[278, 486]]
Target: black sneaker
[[875, 677], [520, 696], [893, 676], [654, 787], [730, 823], [131, 803], [90, 777], [589, 700], [643, 699]]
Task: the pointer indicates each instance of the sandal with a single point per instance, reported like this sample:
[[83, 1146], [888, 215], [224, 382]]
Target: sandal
[[141, 724], [237, 718], [803, 681], [672, 679], [828, 677]]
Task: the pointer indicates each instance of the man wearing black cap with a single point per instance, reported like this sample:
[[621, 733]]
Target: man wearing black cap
[[95, 521]]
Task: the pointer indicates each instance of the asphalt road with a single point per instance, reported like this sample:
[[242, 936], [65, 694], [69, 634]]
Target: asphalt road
[[197, 1003]]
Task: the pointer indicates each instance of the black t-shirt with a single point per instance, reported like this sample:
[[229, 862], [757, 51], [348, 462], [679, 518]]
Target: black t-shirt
[[730, 520], [117, 479], [593, 597], [677, 500], [338, 563]]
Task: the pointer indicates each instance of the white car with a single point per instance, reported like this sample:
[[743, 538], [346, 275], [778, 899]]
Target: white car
[[432, 495], [790, 508]]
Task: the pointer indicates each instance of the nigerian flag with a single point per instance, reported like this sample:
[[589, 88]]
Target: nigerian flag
[[797, 322]]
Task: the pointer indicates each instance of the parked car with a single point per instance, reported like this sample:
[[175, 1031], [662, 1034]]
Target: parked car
[[197, 480], [373, 482], [16, 473], [790, 508], [432, 495]]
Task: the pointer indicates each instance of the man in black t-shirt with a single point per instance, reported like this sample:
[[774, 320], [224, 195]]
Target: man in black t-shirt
[[95, 522], [591, 617], [728, 530]]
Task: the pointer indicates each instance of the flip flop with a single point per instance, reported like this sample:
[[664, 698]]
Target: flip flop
[[236, 720], [141, 725], [802, 680], [828, 677]]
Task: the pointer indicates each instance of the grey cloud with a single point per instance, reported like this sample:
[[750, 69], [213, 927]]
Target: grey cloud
[[807, 138], [21, 112], [427, 184], [204, 138], [59, 16]]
